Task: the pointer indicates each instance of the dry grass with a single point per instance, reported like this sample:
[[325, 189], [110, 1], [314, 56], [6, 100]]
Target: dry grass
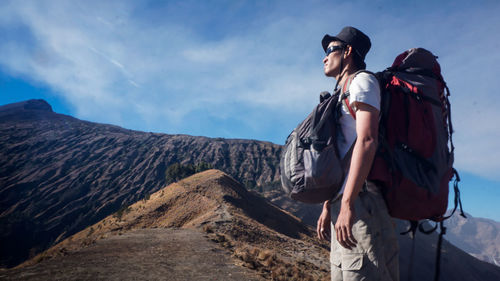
[[267, 263], [269, 260]]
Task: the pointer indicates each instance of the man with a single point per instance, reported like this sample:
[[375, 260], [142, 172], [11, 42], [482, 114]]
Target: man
[[364, 245]]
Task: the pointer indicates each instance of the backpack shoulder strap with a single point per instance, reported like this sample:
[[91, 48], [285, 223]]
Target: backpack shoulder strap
[[345, 91]]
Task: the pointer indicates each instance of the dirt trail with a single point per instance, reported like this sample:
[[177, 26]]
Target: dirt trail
[[146, 254]]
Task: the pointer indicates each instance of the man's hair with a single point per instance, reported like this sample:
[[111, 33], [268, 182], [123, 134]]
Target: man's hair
[[359, 63]]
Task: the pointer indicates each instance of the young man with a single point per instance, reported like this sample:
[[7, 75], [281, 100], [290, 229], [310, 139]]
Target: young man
[[364, 245]]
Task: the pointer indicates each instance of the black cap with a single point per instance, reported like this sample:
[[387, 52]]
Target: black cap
[[350, 36]]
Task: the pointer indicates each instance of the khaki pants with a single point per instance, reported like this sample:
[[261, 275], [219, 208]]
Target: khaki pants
[[375, 256]]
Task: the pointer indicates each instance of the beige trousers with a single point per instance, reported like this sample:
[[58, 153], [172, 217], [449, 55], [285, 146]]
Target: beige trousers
[[375, 256]]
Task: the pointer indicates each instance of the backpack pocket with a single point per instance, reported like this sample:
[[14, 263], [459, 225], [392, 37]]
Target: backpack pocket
[[323, 169], [292, 170], [416, 168]]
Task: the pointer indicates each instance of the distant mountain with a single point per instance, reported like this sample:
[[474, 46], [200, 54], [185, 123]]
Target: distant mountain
[[257, 235], [59, 174], [477, 236]]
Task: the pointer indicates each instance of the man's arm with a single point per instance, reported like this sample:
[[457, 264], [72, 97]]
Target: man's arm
[[363, 153]]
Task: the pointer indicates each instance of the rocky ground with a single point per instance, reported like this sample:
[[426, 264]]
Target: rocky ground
[[143, 254]]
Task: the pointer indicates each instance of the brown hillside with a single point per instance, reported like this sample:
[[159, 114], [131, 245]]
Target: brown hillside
[[259, 235]]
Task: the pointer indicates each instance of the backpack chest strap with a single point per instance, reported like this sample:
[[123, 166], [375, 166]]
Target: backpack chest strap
[[345, 94], [345, 91]]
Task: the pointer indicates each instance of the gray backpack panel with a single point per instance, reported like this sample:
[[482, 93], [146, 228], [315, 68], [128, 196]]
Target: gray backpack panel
[[311, 169]]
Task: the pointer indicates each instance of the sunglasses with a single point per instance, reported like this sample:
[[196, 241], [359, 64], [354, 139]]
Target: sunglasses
[[332, 49]]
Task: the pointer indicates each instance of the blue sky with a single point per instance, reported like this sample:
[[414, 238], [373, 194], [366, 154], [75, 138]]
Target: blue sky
[[246, 69]]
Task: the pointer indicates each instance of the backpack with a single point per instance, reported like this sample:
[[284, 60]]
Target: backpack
[[310, 167], [414, 160]]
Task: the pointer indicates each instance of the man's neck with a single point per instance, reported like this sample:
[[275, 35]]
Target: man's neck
[[348, 71]]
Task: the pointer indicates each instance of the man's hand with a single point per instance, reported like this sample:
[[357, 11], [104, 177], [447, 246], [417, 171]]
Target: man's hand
[[323, 227], [343, 227]]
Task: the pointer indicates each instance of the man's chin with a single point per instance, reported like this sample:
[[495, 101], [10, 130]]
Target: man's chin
[[329, 74]]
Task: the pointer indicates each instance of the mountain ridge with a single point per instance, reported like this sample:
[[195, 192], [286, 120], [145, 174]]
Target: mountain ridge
[[214, 203], [480, 237]]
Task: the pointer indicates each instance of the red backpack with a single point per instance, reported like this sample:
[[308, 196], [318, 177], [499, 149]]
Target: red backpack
[[414, 161]]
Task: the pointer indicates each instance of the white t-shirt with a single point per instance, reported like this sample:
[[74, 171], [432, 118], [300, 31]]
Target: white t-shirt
[[364, 88]]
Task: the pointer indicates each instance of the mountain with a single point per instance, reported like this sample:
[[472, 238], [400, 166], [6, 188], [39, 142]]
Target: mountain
[[477, 236], [60, 174], [271, 243]]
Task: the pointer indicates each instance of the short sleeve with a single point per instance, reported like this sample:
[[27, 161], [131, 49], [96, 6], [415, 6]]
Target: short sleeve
[[365, 88]]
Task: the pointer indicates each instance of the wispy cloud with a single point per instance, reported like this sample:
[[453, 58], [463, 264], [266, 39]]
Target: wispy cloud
[[244, 69]]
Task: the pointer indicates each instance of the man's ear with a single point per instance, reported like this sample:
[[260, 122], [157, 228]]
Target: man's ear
[[348, 51]]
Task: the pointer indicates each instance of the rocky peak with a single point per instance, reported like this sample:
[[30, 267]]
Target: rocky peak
[[26, 110], [33, 104]]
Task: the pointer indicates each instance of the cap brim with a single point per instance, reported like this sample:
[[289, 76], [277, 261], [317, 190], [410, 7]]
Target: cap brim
[[327, 39]]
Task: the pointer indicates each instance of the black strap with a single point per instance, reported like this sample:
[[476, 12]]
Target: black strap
[[457, 200], [346, 161], [419, 97], [450, 125], [411, 231], [341, 70], [412, 255], [420, 71], [406, 102], [438, 253], [315, 128]]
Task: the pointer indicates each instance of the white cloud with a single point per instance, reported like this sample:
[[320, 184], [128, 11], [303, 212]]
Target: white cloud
[[118, 62]]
